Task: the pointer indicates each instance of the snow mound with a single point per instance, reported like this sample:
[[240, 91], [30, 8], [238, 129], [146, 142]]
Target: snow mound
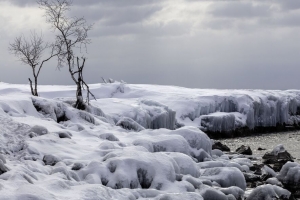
[[190, 196], [225, 176], [268, 192], [132, 169], [129, 124], [290, 174]]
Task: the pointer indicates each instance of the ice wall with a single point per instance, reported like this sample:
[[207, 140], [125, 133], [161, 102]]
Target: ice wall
[[200, 107], [148, 113], [227, 113]]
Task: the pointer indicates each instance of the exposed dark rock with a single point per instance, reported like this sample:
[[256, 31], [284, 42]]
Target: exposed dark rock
[[278, 157], [179, 177], [245, 150], [3, 168], [256, 168], [265, 177], [144, 179], [77, 166], [260, 149], [249, 177], [220, 146], [50, 160], [62, 118], [64, 135]]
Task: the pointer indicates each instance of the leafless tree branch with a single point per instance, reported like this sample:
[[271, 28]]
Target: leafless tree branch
[[30, 52], [72, 33]]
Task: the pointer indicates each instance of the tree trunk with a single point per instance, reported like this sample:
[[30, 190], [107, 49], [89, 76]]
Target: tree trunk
[[79, 99], [32, 91], [35, 87]]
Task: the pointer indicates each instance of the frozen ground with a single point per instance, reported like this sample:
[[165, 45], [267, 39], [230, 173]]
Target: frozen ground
[[267, 142], [50, 150]]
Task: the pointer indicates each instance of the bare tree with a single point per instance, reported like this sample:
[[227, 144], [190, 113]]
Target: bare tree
[[30, 52], [72, 34]]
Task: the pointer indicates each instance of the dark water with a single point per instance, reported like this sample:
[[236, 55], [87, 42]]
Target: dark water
[[290, 140]]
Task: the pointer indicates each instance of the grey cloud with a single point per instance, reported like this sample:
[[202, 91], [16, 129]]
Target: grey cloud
[[238, 9], [252, 48], [114, 3], [289, 4], [287, 20], [116, 16], [21, 3], [170, 29]]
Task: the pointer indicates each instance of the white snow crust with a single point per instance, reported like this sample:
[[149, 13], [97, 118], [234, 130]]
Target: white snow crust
[[134, 142]]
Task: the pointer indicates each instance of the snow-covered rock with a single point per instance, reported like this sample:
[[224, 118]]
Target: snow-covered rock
[[290, 174], [269, 192], [129, 124], [225, 176]]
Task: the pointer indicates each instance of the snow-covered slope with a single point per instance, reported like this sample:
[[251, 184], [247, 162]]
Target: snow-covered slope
[[49, 150]]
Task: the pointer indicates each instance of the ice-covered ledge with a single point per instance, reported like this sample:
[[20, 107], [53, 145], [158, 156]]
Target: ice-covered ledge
[[221, 112]]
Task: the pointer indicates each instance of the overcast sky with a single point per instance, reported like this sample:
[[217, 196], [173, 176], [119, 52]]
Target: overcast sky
[[191, 43]]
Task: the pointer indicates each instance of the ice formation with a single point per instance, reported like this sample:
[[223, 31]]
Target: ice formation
[[211, 110]]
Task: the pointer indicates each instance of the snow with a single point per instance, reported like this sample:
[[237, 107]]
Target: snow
[[290, 174], [134, 142], [269, 192], [225, 176]]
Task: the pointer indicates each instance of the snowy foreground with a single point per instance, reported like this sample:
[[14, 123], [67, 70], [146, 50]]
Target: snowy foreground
[[134, 142]]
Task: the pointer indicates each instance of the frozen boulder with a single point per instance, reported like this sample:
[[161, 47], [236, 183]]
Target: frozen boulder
[[245, 150], [130, 168], [164, 143], [274, 181], [237, 192], [187, 140], [3, 168], [217, 153], [190, 196], [51, 108], [278, 157], [225, 176], [269, 192], [289, 176], [210, 193], [77, 166], [64, 135], [198, 141], [109, 137], [129, 124], [186, 164], [220, 146], [38, 130], [50, 160]]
